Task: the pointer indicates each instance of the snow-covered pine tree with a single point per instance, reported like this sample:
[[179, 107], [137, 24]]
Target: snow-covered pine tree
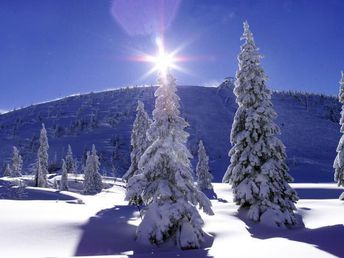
[[338, 164], [139, 140], [165, 182], [64, 177], [93, 180], [17, 163], [204, 177], [8, 171], [42, 159], [70, 164], [258, 172]]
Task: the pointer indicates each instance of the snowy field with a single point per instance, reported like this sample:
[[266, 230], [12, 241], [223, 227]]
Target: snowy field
[[48, 223]]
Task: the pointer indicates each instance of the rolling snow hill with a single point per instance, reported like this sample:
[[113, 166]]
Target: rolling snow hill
[[309, 125]]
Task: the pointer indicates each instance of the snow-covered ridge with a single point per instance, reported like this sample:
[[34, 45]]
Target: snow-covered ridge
[[226, 83], [105, 119], [3, 111]]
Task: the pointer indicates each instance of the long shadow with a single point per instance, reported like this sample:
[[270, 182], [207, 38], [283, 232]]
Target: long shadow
[[210, 193], [318, 193], [33, 194], [109, 233], [9, 191], [327, 238]]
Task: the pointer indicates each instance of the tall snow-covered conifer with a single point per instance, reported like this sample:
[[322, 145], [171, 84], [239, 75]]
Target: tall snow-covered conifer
[[42, 159], [93, 180], [204, 177], [64, 177], [258, 172], [17, 163], [339, 161], [139, 140], [165, 183]]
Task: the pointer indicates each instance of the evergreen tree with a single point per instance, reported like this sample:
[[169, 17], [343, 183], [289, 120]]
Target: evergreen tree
[[42, 159], [94, 120], [139, 140], [78, 168], [17, 163], [70, 164], [93, 180], [8, 171], [55, 184], [64, 177], [258, 172], [204, 177], [165, 182], [339, 161]]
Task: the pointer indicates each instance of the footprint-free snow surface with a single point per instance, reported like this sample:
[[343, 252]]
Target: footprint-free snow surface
[[309, 125], [104, 224]]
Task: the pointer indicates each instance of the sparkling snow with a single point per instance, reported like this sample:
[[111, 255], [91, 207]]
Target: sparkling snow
[[64, 224]]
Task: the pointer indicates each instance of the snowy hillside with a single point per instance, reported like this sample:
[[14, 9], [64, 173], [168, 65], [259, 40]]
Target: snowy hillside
[[309, 126]]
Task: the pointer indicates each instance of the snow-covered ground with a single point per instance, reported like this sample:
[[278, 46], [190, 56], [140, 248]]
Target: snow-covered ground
[[48, 223]]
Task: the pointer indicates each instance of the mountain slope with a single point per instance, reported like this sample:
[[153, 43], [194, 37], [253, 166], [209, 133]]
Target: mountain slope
[[309, 126]]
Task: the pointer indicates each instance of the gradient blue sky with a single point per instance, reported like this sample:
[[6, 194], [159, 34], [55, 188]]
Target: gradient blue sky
[[53, 48]]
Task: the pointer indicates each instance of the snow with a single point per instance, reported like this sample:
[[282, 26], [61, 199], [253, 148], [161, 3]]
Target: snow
[[104, 224], [49, 223]]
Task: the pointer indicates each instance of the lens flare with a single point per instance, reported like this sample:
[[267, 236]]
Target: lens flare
[[144, 17]]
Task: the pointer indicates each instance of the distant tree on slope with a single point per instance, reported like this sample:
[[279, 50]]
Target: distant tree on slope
[[17, 163], [204, 177], [139, 140], [8, 171], [70, 163], [93, 180], [165, 184], [339, 160], [42, 160], [64, 177], [258, 172]]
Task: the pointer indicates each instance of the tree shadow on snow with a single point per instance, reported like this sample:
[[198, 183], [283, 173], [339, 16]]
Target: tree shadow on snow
[[110, 232], [318, 193], [10, 191], [327, 238], [210, 193]]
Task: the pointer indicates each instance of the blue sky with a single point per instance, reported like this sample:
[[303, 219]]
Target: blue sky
[[53, 48]]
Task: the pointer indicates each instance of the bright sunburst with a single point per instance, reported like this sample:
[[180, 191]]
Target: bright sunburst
[[163, 61]]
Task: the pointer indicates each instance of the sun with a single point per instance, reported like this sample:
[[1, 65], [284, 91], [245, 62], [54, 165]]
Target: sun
[[162, 61]]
